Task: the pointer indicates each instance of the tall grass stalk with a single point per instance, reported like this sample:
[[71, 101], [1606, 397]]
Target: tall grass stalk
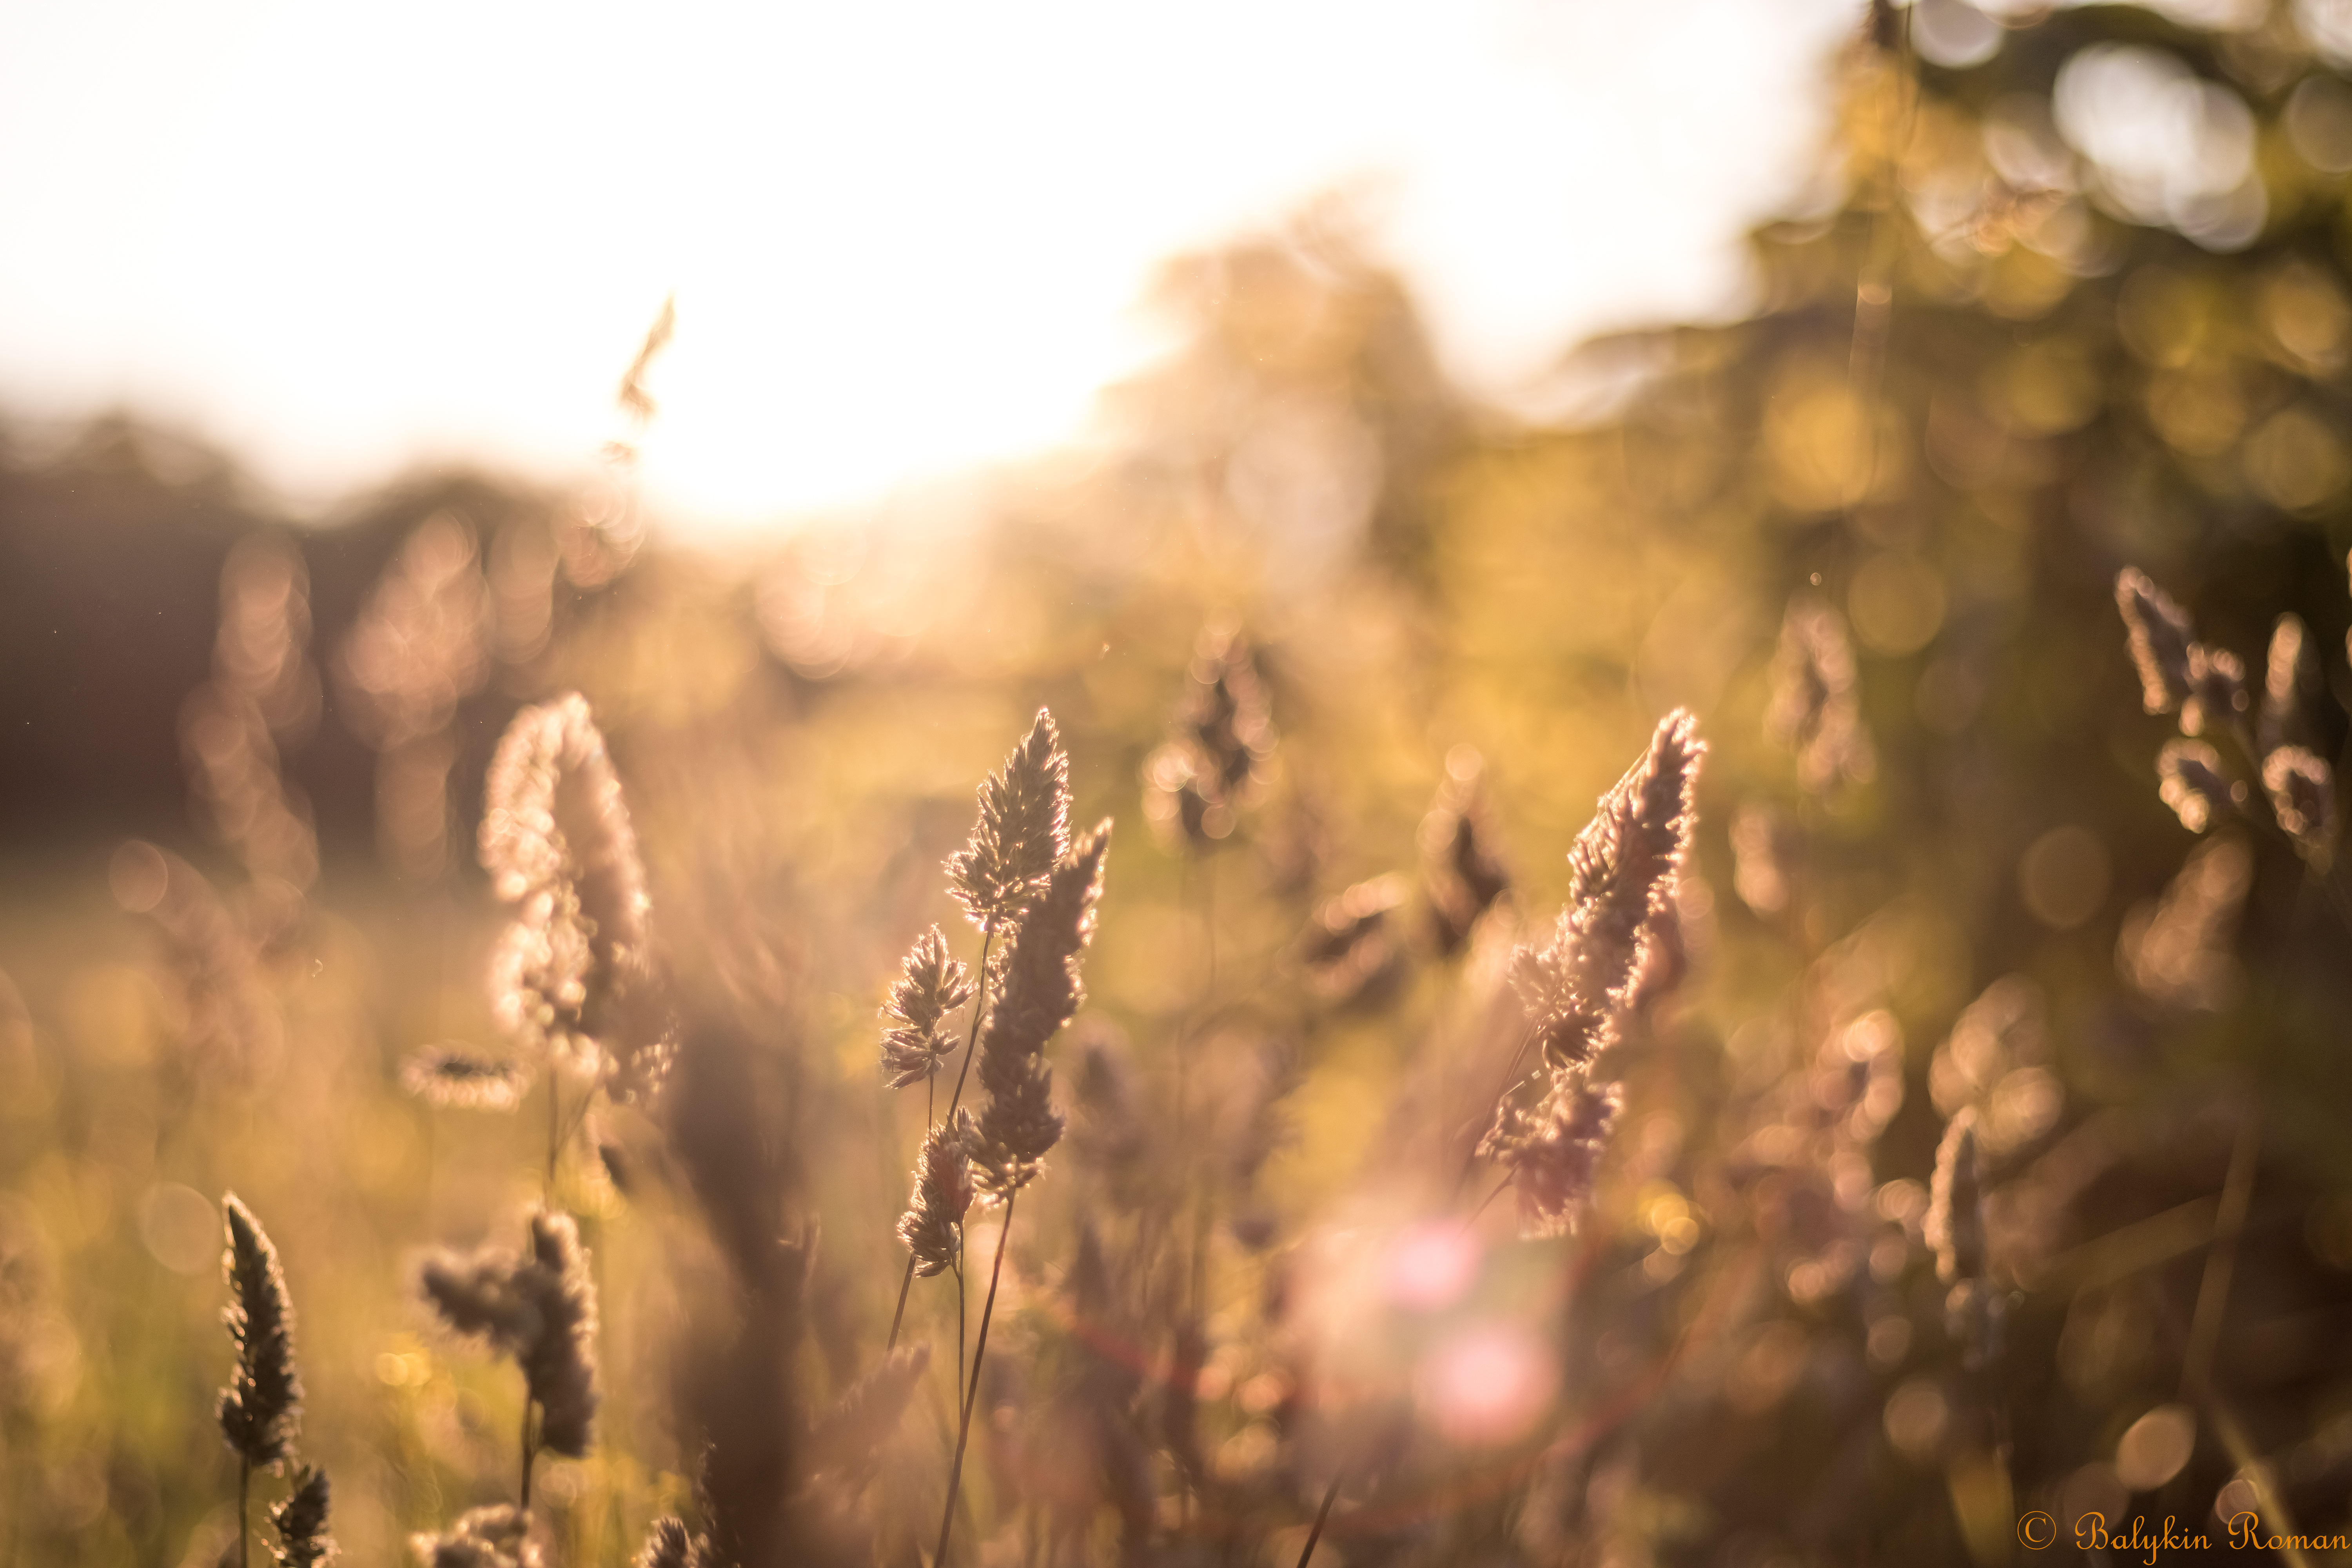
[[970, 1395], [258, 1409]]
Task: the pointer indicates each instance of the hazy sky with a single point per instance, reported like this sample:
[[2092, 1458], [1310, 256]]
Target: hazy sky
[[903, 236]]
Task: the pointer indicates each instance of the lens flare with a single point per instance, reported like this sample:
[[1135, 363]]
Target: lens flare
[[1489, 1385]]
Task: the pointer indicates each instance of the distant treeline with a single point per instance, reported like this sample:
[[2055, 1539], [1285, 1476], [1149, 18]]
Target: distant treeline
[[110, 556]]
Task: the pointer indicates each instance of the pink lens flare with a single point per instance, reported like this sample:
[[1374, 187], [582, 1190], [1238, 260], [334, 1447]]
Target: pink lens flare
[[1489, 1385], [1430, 1266]]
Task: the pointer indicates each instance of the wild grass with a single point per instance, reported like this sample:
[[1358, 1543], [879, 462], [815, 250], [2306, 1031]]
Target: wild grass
[[1919, 1099]]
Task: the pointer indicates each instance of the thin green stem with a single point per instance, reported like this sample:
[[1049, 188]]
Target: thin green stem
[[972, 1396]]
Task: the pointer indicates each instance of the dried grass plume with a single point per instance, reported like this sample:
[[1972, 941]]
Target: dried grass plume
[[260, 1408]]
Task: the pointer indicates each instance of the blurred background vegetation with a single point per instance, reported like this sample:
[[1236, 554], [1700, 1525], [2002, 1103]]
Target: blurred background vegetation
[[2074, 296]]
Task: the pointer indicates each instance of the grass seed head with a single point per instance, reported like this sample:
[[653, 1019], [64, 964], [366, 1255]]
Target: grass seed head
[[261, 1406], [557, 842], [1554, 1151], [2291, 680], [561, 1364], [1955, 1226], [301, 1523], [541, 1310], [453, 1078], [2161, 636], [1023, 830], [933, 1222], [1816, 709], [1041, 993], [2216, 689], [2302, 788], [668, 1546], [2191, 781], [1622, 872], [496, 1537], [931, 985]]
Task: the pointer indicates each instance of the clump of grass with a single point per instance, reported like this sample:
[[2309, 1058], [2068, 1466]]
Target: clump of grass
[[261, 1406], [541, 1310]]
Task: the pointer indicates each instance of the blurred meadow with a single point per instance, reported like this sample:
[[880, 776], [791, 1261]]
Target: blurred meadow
[[1971, 1094]]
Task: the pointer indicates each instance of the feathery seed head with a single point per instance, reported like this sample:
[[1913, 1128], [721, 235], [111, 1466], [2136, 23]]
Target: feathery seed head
[[1975, 1310], [2303, 794], [1459, 867], [557, 842], [1196, 783], [1352, 955], [943, 1192], [2290, 678], [668, 1545], [2192, 784], [2162, 638], [496, 1537], [1955, 1225], [1040, 993], [258, 1409], [1621, 870], [1816, 709], [1554, 1151], [453, 1078], [2216, 689], [561, 1366], [1228, 718], [1023, 830], [480, 1293], [541, 1310], [931, 985], [301, 1521]]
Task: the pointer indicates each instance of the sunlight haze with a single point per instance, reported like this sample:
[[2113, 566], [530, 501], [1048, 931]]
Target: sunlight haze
[[902, 240]]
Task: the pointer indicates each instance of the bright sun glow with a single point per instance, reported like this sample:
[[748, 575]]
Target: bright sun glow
[[902, 238]]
